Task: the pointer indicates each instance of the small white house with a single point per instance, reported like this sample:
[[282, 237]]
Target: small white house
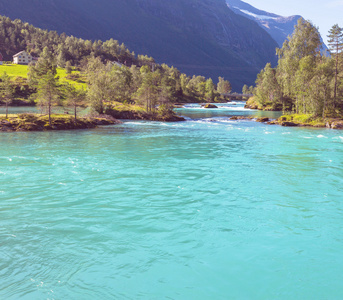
[[115, 63], [22, 58]]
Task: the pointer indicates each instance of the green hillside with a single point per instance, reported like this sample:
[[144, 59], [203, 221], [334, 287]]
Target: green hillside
[[201, 37], [14, 71]]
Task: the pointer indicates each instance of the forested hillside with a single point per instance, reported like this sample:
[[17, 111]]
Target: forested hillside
[[202, 37], [88, 71], [305, 81], [16, 36]]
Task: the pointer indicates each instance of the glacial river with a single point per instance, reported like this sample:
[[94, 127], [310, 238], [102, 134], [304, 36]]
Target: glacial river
[[204, 209]]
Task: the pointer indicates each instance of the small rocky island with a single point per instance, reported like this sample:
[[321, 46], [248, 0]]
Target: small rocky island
[[37, 122]]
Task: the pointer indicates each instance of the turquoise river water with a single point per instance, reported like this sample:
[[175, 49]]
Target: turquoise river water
[[203, 209]]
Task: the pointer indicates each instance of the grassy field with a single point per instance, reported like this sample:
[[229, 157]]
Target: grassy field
[[14, 71]]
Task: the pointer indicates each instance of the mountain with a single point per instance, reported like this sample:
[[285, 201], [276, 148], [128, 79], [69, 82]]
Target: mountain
[[277, 26], [201, 37]]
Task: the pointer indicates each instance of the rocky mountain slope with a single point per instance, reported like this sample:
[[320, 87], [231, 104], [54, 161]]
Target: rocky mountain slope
[[278, 27], [202, 37]]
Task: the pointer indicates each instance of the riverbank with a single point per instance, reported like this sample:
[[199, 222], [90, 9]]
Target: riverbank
[[37, 122], [292, 120], [310, 121], [296, 121], [64, 120]]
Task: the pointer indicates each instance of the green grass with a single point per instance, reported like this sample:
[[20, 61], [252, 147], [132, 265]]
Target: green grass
[[61, 73], [14, 71], [300, 118]]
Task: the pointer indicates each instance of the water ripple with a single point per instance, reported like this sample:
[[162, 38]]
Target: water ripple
[[195, 210]]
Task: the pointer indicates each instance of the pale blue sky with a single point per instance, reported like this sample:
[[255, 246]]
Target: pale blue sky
[[322, 13]]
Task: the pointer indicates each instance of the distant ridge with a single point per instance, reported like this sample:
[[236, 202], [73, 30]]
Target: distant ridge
[[278, 27]]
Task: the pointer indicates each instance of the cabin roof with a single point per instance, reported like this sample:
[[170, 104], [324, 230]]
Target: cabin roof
[[20, 53]]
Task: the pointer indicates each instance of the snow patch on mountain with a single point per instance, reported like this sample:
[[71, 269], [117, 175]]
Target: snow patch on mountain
[[277, 26], [261, 17]]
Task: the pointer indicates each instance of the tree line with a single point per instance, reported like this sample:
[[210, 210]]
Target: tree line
[[155, 89], [112, 72], [308, 79], [16, 36]]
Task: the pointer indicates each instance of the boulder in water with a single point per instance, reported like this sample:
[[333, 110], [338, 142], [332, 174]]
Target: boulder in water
[[262, 120], [209, 105], [288, 124]]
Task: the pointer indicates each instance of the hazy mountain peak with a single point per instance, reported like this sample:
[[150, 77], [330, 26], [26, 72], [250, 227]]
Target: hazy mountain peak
[[279, 27]]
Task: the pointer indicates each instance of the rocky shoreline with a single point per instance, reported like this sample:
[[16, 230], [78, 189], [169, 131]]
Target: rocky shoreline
[[282, 121], [35, 122]]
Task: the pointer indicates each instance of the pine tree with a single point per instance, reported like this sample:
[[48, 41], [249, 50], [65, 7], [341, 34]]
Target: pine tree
[[147, 93], [245, 89], [98, 84], [302, 80], [164, 97], [68, 67], [223, 86], [74, 97], [121, 79], [336, 47], [209, 89], [42, 76], [61, 57], [47, 92], [268, 91], [305, 41], [45, 64], [320, 88], [297, 60], [6, 91]]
